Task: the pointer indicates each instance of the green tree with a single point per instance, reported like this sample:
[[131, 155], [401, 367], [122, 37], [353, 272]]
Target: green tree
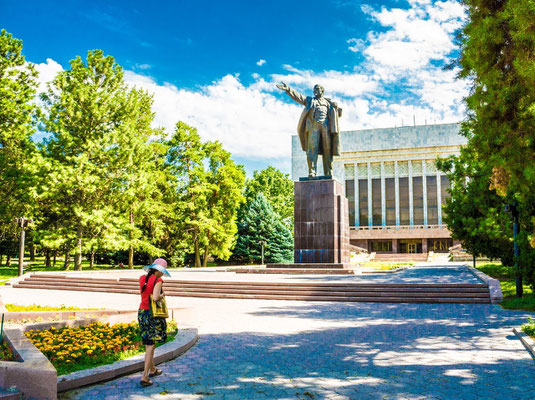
[[140, 177], [206, 191], [497, 56], [474, 213], [85, 107], [18, 156], [259, 223], [277, 188]]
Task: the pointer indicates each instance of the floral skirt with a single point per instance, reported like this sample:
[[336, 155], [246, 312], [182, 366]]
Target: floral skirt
[[153, 330]]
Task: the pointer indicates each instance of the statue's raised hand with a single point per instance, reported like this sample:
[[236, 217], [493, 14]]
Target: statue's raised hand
[[283, 86]]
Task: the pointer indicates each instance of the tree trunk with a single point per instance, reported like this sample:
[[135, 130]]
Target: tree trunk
[[67, 261], [32, 250], [205, 257], [131, 248], [92, 260], [54, 262], [78, 253], [8, 261], [1, 259], [47, 258], [197, 254]]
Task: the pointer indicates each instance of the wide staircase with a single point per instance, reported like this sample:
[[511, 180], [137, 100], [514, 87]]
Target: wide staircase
[[316, 291], [400, 257]]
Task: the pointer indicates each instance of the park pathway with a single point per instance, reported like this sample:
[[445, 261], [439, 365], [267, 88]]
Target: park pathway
[[254, 349]]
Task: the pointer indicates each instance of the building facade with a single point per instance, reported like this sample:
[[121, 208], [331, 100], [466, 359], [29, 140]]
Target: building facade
[[394, 189]]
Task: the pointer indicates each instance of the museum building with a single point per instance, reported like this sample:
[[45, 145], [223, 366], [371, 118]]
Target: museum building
[[394, 189]]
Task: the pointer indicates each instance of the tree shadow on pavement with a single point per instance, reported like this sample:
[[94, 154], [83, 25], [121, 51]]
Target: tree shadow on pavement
[[378, 351]]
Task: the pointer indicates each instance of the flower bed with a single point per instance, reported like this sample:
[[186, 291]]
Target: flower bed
[[73, 349], [36, 307], [6, 353]]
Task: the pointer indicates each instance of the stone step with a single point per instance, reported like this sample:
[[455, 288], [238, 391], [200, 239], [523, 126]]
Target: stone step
[[310, 266], [362, 292], [294, 271], [318, 291], [270, 286], [445, 298], [170, 282]]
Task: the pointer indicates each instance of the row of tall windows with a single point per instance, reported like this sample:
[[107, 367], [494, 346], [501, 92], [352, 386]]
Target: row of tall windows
[[390, 200]]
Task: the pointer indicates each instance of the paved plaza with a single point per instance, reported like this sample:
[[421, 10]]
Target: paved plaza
[[254, 349]]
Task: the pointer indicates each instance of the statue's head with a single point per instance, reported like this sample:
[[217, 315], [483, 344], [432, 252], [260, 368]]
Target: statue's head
[[318, 91]]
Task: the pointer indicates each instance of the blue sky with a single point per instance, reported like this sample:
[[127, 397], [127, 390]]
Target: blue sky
[[213, 64]]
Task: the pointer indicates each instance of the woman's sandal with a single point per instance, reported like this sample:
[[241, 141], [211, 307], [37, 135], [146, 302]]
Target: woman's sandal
[[146, 383], [156, 372]]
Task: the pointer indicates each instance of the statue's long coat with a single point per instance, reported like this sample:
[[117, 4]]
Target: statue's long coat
[[333, 115]]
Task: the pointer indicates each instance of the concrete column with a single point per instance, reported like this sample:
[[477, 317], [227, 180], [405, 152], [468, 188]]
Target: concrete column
[[394, 245], [396, 179], [424, 245], [383, 195], [411, 205], [356, 194], [424, 189], [439, 198], [370, 205]]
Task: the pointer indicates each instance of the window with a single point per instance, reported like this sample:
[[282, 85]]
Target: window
[[390, 193], [381, 247], [444, 186], [432, 203], [363, 202], [418, 200], [350, 194], [439, 245], [404, 205], [376, 202]]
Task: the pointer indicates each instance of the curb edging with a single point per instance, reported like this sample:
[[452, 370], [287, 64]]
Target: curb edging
[[495, 289], [184, 340], [527, 341]]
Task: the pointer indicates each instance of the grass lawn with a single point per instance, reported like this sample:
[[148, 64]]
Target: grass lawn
[[38, 265], [506, 276], [36, 307]]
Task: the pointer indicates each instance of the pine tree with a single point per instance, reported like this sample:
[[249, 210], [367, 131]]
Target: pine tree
[[18, 156], [258, 223]]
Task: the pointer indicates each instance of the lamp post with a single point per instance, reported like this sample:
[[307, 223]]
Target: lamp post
[[23, 223], [262, 242], [513, 209]]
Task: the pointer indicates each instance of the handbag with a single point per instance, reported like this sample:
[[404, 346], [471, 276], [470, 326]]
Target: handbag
[[159, 308]]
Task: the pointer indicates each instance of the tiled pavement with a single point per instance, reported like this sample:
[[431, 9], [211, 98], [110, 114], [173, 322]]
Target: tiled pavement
[[319, 350]]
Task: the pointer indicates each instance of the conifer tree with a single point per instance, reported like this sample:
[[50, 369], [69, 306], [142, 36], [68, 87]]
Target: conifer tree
[[18, 156], [258, 223]]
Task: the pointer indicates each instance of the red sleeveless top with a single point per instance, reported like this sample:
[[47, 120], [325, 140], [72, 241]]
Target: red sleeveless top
[[145, 301]]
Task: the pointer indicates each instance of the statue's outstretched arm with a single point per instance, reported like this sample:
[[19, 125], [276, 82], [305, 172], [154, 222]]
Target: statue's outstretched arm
[[294, 94]]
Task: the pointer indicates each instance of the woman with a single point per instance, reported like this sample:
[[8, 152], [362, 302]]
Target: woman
[[152, 329]]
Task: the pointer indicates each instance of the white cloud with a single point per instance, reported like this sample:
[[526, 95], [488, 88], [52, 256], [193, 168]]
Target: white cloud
[[261, 62], [416, 36], [401, 77], [47, 72], [248, 121]]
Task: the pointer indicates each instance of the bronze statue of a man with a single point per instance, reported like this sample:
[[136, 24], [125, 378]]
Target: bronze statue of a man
[[318, 128]]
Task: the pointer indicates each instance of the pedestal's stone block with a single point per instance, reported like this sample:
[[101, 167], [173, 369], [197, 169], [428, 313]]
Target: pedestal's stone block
[[321, 216]]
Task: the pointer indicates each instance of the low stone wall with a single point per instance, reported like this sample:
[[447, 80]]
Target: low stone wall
[[33, 374], [36, 377], [495, 289]]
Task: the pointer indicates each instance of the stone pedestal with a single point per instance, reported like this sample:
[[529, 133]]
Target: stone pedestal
[[321, 225]]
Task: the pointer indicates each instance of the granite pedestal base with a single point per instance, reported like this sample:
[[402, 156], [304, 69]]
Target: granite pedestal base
[[321, 222]]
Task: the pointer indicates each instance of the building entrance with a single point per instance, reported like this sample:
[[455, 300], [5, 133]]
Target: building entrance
[[410, 246]]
